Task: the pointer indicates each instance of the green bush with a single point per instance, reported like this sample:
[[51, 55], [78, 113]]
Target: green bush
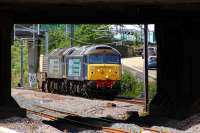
[[152, 89], [132, 87]]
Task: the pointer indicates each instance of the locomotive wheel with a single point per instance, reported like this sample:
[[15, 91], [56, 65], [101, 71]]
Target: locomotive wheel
[[62, 87], [78, 89], [71, 89], [48, 85], [52, 86], [84, 90], [67, 87], [56, 87], [74, 88], [59, 87], [43, 86]]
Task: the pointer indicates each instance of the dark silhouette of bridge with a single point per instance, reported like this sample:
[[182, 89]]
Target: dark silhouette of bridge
[[177, 26]]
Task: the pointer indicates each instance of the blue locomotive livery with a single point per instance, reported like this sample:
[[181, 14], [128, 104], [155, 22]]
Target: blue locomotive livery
[[84, 71]]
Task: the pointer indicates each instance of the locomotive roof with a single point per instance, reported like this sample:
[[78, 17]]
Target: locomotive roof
[[86, 50], [58, 52], [95, 48], [79, 51]]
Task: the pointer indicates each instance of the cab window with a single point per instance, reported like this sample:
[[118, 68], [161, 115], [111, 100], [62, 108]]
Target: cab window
[[103, 59]]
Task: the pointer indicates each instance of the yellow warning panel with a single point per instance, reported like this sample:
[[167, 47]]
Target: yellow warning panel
[[104, 71]]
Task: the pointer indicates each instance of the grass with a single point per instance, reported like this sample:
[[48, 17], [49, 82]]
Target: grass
[[132, 87]]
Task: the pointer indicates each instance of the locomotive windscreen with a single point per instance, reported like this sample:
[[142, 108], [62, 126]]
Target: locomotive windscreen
[[103, 48], [103, 59]]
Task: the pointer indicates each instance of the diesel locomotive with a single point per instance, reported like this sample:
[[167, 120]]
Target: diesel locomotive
[[84, 71]]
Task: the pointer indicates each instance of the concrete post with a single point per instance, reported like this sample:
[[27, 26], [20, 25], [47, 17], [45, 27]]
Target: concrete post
[[72, 35], [33, 62], [22, 63], [46, 42], [146, 67]]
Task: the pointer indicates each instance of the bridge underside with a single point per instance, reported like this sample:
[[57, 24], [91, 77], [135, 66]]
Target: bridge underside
[[178, 88], [177, 29]]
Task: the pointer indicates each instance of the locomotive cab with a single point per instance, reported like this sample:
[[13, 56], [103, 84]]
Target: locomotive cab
[[104, 67]]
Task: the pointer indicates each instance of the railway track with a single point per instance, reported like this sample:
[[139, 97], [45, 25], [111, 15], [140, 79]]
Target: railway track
[[86, 125], [132, 101], [76, 122], [72, 114]]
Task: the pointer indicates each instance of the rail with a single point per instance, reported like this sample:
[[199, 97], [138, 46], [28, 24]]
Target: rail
[[132, 101], [87, 125], [79, 123]]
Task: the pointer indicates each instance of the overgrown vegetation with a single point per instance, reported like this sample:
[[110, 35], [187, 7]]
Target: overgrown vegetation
[[132, 87], [152, 89], [16, 66]]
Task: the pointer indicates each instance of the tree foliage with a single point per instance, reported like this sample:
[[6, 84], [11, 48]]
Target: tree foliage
[[58, 39], [96, 34], [85, 34], [133, 87]]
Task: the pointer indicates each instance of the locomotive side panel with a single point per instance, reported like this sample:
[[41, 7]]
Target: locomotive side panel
[[74, 68], [54, 67]]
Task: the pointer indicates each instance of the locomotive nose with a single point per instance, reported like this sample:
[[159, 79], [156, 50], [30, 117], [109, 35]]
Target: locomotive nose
[[104, 72]]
